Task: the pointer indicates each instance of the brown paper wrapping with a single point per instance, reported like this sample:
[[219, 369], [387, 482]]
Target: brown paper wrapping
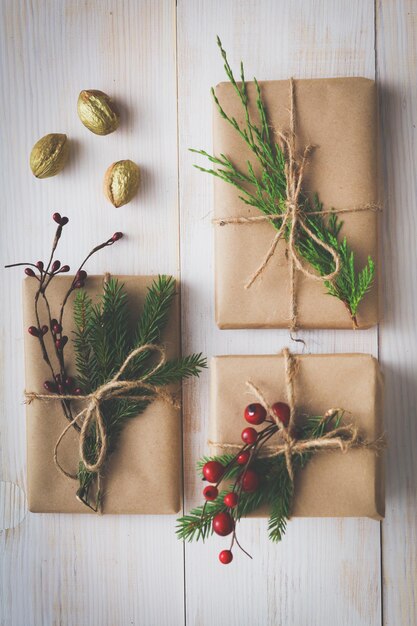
[[332, 484], [143, 474], [338, 116]]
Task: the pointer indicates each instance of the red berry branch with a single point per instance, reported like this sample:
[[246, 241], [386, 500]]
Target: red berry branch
[[250, 478], [44, 272]]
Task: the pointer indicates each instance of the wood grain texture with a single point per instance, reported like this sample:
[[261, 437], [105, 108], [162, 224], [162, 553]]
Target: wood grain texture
[[326, 571], [397, 72], [61, 569], [76, 571]]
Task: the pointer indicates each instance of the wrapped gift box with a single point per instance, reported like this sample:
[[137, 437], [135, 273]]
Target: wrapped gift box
[[339, 117], [333, 484], [143, 474]]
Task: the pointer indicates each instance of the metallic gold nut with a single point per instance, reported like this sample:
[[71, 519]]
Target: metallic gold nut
[[49, 155], [121, 182], [97, 112]]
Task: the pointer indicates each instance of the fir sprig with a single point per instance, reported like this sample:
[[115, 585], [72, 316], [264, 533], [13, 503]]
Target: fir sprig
[[266, 191], [102, 343]]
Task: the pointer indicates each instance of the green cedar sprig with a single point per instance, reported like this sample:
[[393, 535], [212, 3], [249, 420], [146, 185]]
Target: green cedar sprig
[[103, 340], [267, 192]]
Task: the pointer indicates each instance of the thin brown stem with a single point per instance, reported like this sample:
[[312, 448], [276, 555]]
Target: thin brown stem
[[109, 242]]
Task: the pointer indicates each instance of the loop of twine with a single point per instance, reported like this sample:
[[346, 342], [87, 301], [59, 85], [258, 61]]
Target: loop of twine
[[340, 437], [294, 217], [92, 413]]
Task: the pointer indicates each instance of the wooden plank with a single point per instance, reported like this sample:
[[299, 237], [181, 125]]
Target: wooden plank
[[67, 569], [397, 70], [325, 571]]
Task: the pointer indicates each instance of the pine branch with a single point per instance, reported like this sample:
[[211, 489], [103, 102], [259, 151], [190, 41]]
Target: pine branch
[[197, 524], [156, 310], [280, 496], [267, 192], [108, 333], [82, 319], [102, 345], [179, 369]]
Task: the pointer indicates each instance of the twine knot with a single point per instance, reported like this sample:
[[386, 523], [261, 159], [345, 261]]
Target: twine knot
[[92, 414], [342, 437]]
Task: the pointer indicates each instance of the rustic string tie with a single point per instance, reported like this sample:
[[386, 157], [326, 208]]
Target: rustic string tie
[[342, 437], [293, 216], [92, 413]]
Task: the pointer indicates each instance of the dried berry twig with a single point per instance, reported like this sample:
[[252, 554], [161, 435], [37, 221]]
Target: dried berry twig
[[44, 273]]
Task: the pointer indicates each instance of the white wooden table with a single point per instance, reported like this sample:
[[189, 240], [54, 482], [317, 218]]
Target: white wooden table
[[159, 58]]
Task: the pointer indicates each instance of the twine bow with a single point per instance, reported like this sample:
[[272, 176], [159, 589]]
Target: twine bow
[[340, 437], [92, 413], [293, 218]]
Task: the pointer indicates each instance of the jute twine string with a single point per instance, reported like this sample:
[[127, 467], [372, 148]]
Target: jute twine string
[[341, 437], [294, 216], [92, 413]]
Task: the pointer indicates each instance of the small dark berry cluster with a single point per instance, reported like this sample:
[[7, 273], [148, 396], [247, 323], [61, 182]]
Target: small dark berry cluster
[[62, 386], [60, 382], [248, 480], [51, 269]]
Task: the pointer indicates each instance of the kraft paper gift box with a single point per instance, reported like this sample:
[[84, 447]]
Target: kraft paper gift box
[[142, 475], [333, 484], [339, 117]]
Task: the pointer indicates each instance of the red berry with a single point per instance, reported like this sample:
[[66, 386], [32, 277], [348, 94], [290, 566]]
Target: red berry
[[210, 492], [243, 457], [56, 265], [250, 481], [57, 328], [78, 391], [79, 284], [226, 557], [223, 524], [65, 268], [39, 265], [249, 435], [64, 220], [57, 218], [60, 343], [49, 386], [117, 236], [32, 330], [282, 411], [29, 272], [81, 275], [44, 330], [230, 499], [255, 413], [70, 382], [213, 471]]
